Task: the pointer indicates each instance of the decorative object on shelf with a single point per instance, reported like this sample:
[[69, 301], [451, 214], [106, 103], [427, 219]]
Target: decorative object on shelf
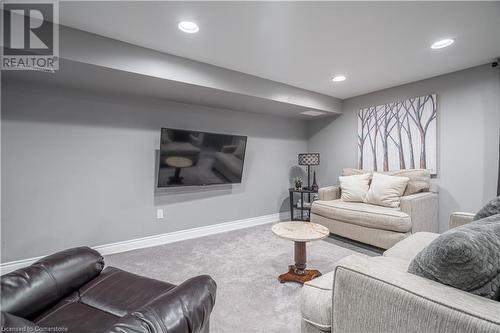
[[399, 135], [308, 159], [303, 204], [314, 186], [299, 204], [297, 182]]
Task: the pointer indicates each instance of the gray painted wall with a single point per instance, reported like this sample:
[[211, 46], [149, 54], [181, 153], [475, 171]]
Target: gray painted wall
[[78, 168], [468, 129]]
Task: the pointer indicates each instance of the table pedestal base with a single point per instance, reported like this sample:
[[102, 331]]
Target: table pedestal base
[[292, 276], [176, 178], [298, 272]]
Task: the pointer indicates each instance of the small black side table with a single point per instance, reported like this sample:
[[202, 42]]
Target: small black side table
[[294, 207]]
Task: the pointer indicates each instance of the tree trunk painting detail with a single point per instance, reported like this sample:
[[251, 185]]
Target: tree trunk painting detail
[[406, 127], [389, 135], [399, 141]]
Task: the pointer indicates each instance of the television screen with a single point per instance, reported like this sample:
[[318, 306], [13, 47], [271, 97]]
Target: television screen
[[199, 158]]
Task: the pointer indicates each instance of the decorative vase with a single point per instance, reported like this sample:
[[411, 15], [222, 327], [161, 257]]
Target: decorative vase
[[314, 186]]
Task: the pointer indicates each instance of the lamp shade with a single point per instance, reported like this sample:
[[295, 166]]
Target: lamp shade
[[309, 159]]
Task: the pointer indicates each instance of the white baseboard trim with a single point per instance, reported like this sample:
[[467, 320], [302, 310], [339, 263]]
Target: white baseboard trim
[[155, 240]]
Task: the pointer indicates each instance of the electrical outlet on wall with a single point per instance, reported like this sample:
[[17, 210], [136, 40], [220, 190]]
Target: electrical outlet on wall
[[159, 213]]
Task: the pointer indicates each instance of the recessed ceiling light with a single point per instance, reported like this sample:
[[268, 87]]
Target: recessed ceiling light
[[338, 78], [188, 27], [312, 113], [442, 43]]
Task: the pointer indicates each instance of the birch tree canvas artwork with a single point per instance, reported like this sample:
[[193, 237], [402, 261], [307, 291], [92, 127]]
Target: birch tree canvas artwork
[[399, 135]]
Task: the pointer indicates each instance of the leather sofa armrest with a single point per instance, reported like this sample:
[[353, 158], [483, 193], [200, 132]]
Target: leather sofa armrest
[[329, 193], [11, 323], [458, 219], [423, 211], [183, 309], [368, 296], [27, 291]]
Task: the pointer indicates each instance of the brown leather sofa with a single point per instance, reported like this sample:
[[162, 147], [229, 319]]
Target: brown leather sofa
[[71, 292]]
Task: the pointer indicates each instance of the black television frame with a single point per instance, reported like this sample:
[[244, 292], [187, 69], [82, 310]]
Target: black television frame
[[204, 184]]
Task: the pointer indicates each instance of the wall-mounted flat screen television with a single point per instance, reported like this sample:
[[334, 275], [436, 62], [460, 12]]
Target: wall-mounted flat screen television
[[190, 158]]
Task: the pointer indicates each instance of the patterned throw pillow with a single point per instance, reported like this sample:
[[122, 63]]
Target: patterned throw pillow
[[491, 208], [466, 257]]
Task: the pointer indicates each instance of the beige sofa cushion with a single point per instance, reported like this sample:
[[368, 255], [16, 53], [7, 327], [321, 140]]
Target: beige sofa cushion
[[354, 188], [380, 238], [351, 172], [409, 247], [420, 179], [386, 190], [363, 214]]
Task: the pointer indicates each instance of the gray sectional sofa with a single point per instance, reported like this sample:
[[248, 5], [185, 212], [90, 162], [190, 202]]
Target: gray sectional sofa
[[377, 294]]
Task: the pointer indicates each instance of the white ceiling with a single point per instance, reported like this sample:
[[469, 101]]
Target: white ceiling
[[375, 44]]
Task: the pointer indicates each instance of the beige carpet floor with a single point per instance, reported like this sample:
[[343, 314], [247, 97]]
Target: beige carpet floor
[[245, 264]]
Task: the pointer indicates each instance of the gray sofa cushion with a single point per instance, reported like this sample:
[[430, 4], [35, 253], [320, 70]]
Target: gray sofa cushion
[[409, 247], [491, 208], [466, 257]]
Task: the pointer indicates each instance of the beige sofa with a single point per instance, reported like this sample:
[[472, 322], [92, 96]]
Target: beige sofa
[[376, 225], [377, 294], [228, 163]]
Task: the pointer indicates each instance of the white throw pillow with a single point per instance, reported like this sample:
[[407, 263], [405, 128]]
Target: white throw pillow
[[354, 188], [386, 190]]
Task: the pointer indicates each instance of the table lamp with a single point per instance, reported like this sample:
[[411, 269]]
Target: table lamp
[[308, 159]]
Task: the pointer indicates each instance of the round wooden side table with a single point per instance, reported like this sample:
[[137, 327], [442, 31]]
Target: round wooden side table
[[178, 163], [300, 233]]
